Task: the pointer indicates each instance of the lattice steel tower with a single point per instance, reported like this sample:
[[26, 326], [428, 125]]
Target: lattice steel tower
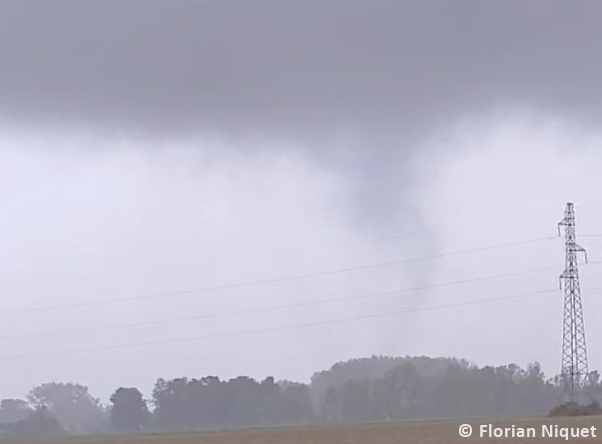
[[574, 354]]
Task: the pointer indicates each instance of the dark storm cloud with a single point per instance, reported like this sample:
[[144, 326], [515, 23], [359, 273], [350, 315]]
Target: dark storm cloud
[[306, 70], [293, 68]]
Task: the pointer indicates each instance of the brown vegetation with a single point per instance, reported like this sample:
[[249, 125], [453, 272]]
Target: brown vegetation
[[424, 432], [573, 409]]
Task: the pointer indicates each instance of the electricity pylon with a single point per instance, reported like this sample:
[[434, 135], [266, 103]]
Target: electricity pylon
[[574, 354]]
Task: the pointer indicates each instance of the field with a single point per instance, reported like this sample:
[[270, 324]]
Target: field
[[432, 432]]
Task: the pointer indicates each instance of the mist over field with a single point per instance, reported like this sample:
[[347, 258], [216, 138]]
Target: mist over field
[[221, 189]]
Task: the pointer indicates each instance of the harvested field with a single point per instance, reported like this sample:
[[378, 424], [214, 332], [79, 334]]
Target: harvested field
[[435, 432]]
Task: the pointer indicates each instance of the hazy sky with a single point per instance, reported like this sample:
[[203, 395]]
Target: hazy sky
[[153, 151]]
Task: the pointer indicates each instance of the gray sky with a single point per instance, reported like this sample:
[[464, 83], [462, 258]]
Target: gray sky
[[144, 141]]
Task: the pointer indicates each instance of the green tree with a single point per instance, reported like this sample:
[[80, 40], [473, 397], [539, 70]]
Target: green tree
[[356, 401], [71, 404], [38, 424], [129, 412], [13, 410]]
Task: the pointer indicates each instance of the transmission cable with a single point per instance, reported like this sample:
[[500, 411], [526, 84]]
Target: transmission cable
[[277, 307], [331, 246], [274, 329], [267, 281]]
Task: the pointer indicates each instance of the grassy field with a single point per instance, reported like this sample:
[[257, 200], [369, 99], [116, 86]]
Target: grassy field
[[435, 432]]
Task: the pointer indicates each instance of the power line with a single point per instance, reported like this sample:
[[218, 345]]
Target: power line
[[277, 307], [331, 246], [273, 329], [269, 281]]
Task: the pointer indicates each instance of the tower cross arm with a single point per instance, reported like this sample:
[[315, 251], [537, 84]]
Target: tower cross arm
[[562, 223], [580, 249]]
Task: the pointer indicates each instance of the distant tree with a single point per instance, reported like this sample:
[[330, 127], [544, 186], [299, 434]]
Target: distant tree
[[376, 388], [330, 407], [406, 385], [71, 404], [129, 412], [38, 424], [286, 384], [245, 407], [13, 410], [100, 423], [593, 387], [373, 368], [272, 403], [593, 378], [355, 399], [170, 399], [297, 404], [192, 404], [458, 390]]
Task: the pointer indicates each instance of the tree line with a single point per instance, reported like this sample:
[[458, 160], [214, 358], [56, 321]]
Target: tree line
[[370, 389]]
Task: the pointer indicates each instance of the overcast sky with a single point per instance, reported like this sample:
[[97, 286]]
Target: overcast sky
[[153, 151]]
